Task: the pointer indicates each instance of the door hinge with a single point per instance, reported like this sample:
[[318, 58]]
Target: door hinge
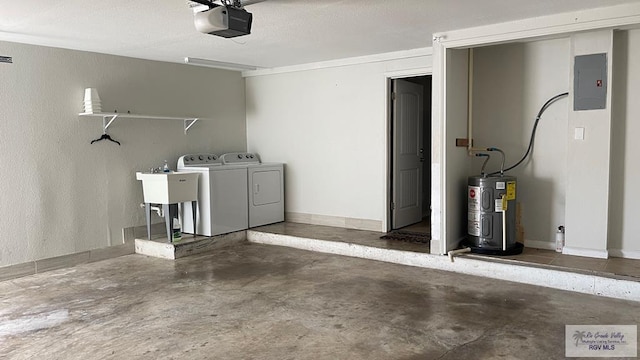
[[393, 206], [393, 96]]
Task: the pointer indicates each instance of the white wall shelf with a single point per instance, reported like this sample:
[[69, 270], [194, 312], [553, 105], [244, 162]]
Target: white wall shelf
[[108, 118]]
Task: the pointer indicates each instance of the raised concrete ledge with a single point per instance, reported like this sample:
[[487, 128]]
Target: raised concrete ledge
[[189, 245], [593, 284]]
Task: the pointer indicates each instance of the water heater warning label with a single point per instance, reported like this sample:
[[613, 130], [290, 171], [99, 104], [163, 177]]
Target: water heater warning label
[[511, 190], [473, 227], [473, 207], [473, 201]]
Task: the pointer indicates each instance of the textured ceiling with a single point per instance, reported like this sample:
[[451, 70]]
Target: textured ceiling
[[284, 32]]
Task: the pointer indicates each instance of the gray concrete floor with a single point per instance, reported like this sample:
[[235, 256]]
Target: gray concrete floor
[[265, 302]]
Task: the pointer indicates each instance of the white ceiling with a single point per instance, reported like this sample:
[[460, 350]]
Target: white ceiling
[[284, 32]]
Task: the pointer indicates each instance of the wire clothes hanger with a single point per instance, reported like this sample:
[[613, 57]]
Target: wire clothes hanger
[[106, 136]]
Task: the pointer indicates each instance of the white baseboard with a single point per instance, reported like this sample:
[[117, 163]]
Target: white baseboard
[[627, 254], [535, 244], [600, 254], [618, 253], [335, 221], [65, 261]]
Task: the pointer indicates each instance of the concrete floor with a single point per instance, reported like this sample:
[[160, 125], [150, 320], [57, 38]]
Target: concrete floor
[[266, 302]]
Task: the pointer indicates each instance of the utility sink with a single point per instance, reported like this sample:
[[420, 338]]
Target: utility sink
[[169, 188]]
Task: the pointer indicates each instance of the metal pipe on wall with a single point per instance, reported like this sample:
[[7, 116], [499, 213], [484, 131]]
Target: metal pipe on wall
[[470, 102]]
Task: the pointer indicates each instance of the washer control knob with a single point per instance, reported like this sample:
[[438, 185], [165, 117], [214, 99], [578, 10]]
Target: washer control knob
[[201, 157], [192, 158], [239, 156]]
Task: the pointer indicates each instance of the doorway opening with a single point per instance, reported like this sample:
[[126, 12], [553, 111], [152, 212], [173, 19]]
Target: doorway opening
[[410, 154]]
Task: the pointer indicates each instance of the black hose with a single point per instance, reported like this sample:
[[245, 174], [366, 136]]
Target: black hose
[[533, 131]]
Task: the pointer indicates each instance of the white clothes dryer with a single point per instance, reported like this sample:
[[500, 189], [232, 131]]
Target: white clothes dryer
[[265, 187], [222, 196]]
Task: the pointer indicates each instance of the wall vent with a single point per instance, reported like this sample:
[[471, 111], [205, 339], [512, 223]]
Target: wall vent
[[6, 59]]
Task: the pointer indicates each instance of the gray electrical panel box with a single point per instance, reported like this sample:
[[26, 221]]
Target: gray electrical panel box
[[590, 82]]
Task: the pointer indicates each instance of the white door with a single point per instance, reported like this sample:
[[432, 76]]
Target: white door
[[407, 158]]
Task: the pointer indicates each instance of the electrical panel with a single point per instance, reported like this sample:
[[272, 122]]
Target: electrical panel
[[590, 82]]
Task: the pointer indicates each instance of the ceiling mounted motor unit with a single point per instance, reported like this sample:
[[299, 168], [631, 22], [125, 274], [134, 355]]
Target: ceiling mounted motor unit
[[225, 21]]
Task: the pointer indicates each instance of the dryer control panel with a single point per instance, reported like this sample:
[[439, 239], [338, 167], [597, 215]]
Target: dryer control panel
[[240, 158], [199, 160]]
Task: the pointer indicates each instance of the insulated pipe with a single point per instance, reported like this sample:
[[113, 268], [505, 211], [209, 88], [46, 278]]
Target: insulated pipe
[[470, 70], [470, 102]]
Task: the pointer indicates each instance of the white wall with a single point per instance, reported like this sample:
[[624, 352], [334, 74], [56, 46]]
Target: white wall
[[588, 165], [624, 227], [574, 24], [329, 126], [61, 195], [456, 160], [511, 83]]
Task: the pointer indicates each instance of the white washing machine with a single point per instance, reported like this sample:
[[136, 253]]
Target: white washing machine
[[222, 196], [265, 187]]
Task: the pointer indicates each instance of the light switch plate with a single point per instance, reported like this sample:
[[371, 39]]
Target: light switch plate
[[579, 133]]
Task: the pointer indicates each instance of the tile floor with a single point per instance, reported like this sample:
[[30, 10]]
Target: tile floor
[[616, 267], [423, 226]]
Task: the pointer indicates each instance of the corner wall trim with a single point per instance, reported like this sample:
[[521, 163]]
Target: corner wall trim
[[542, 26], [397, 55]]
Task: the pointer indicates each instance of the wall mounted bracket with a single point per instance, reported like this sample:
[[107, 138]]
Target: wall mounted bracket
[[188, 123], [109, 118]]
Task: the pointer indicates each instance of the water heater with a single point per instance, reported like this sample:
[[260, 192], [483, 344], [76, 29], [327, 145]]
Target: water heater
[[492, 214], [491, 198]]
